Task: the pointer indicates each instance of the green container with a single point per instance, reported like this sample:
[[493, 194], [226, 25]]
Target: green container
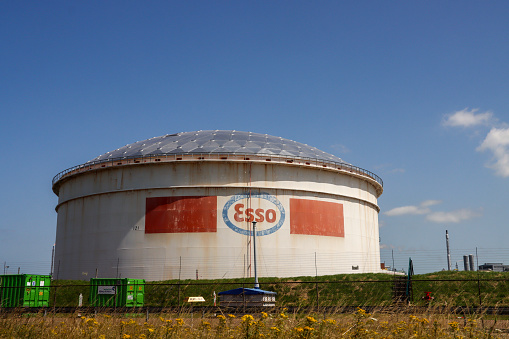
[[125, 292], [24, 290]]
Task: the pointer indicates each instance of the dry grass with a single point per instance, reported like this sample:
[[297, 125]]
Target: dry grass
[[278, 325]]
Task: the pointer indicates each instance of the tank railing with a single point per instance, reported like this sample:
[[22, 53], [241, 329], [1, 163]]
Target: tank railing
[[215, 156]]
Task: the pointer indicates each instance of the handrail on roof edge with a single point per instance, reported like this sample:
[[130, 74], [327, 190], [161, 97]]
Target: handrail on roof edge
[[370, 174]]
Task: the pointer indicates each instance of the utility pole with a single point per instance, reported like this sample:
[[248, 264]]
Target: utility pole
[[448, 250], [257, 285], [52, 261]]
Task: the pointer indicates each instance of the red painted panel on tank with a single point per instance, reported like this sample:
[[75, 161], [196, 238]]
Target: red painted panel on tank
[[181, 214], [314, 217]]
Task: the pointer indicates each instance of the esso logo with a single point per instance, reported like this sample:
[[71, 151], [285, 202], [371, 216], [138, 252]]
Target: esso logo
[[250, 214], [265, 209]]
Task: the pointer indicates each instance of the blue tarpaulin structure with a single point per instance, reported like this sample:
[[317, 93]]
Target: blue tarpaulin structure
[[247, 297], [246, 291]]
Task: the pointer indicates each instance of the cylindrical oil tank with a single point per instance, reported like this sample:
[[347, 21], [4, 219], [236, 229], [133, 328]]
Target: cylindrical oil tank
[[471, 262], [465, 263], [181, 206]]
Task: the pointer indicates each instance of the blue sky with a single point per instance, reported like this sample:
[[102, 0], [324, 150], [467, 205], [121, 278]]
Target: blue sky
[[416, 92]]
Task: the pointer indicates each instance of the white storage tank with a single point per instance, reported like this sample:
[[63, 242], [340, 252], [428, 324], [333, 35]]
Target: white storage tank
[[182, 206]]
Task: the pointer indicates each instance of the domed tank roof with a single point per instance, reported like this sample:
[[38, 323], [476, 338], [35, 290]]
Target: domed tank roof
[[220, 142]]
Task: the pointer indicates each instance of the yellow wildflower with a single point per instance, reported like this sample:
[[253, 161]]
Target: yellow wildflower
[[205, 325], [454, 325], [247, 318], [311, 319], [91, 322]]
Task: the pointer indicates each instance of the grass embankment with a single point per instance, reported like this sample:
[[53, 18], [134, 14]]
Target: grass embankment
[[351, 289], [452, 288], [448, 289]]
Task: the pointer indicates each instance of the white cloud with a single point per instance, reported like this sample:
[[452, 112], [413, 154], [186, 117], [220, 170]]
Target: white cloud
[[428, 203], [413, 210], [403, 210], [340, 148], [452, 216], [439, 217], [468, 118], [497, 141]]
